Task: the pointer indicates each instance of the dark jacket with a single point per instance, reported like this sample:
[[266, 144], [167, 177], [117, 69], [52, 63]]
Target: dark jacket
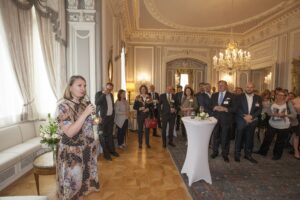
[[242, 109], [101, 104], [165, 106], [138, 103], [204, 100], [228, 102]]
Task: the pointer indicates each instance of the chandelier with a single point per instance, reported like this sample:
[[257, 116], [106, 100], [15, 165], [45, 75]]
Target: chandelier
[[233, 58]]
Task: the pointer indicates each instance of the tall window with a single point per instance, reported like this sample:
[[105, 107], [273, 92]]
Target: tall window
[[123, 73], [184, 80], [11, 101], [44, 96]]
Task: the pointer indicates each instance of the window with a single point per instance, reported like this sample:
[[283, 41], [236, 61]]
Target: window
[[184, 80], [44, 97], [123, 74], [11, 101]]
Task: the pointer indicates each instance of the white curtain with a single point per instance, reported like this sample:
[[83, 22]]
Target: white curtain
[[52, 30], [11, 101], [18, 28], [44, 94]]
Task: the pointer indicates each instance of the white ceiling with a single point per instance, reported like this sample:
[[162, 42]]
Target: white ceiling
[[203, 15]]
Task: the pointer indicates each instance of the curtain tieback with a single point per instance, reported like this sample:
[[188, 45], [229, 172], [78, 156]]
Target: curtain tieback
[[28, 102]]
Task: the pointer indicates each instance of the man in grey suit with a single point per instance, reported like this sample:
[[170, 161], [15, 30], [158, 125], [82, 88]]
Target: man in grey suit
[[104, 101], [168, 107], [248, 109]]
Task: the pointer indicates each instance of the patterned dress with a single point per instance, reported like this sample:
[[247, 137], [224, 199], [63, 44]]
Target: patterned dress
[[76, 169]]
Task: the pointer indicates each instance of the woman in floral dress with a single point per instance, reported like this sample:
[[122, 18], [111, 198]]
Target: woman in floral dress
[[76, 168]]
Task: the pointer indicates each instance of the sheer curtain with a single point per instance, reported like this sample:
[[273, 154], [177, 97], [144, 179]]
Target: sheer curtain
[[11, 101], [45, 100], [17, 25]]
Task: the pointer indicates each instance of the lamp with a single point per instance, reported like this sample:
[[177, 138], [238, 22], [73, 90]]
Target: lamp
[[130, 87], [233, 58]]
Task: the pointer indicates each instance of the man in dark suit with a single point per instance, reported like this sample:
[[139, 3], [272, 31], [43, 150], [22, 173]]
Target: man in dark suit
[[178, 98], [168, 110], [104, 101], [248, 108], [203, 98], [222, 109], [155, 98]]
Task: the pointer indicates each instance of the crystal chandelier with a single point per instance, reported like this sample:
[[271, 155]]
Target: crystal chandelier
[[233, 58]]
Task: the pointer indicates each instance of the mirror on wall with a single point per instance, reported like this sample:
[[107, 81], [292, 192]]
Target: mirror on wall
[[263, 78]]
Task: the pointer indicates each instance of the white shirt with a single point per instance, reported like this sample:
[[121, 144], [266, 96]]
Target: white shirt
[[109, 105], [169, 96], [153, 95], [209, 95], [224, 93], [249, 98], [278, 122]]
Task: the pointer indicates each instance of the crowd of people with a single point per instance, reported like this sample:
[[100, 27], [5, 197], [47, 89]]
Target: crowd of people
[[241, 114]]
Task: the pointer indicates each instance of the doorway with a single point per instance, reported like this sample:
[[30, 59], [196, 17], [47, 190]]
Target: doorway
[[186, 71]]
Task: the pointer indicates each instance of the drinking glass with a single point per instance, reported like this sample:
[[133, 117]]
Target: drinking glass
[[201, 109], [193, 115]]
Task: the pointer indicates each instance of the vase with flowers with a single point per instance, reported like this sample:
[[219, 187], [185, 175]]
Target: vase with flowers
[[49, 134], [202, 116]]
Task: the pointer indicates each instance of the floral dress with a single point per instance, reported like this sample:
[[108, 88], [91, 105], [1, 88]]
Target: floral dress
[[76, 169]]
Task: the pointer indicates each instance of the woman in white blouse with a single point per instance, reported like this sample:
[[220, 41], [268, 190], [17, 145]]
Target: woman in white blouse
[[281, 113], [121, 117]]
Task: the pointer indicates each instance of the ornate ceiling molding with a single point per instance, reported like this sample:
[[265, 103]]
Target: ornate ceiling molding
[[285, 23], [261, 30], [240, 26], [121, 11], [181, 38]]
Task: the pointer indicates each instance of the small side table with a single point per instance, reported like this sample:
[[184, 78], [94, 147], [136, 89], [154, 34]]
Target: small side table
[[43, 165]]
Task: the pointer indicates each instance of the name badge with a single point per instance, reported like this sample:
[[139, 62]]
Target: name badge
[[257, 104], [225, 102]]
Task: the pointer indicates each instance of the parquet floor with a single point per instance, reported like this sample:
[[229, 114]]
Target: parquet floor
[[144, 174]]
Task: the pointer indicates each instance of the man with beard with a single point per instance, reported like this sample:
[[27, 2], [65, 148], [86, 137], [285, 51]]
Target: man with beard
[[248, 109]]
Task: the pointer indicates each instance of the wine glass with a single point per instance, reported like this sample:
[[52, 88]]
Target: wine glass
[[95, 118], [201, 109], [193, 115]]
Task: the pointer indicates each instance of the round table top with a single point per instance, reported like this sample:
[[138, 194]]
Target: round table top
[[196, 121], [44, 160]]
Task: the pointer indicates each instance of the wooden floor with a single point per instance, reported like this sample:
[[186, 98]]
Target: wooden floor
[[136, 174]]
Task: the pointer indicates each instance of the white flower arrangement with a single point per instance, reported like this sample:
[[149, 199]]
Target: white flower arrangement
[[49, 133], [203, 116]]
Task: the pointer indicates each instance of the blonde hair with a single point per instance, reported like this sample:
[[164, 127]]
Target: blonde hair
[[67, 93]]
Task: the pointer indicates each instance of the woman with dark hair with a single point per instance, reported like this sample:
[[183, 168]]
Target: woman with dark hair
[[188, 105], [76, 167], [121, 117], [143, 105]]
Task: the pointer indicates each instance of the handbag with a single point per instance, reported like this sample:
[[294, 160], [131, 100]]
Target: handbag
[[150, 123]]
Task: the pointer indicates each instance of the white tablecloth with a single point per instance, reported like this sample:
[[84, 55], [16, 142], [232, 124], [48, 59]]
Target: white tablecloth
[[196, 162]]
